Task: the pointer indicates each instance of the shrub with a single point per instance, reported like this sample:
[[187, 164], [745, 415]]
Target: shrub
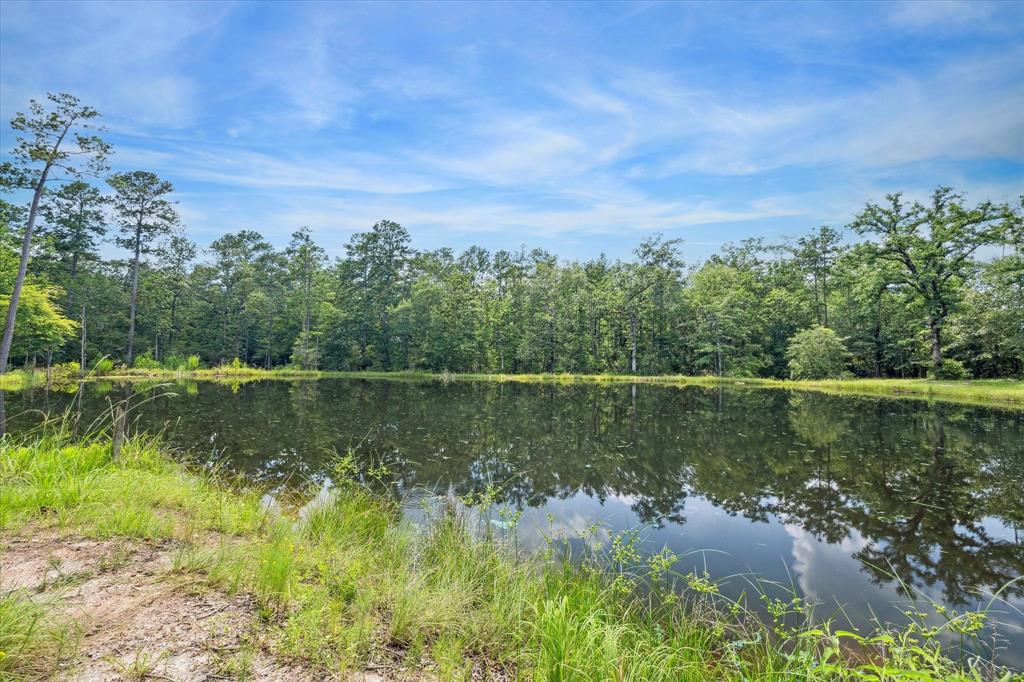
[[816, 353], [67, 371], [953, 370], [173, 362], [103, 366], [146, 361], [192, 362]]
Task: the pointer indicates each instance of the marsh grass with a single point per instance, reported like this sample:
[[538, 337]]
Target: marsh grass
[[19, 379], [345, 581], [994, 392]]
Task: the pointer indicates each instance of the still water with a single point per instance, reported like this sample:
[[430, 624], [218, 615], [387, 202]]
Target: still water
[[836, 497]]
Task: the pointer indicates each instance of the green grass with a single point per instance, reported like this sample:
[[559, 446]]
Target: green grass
[[348, 582], [998, 392], [31, 641], [994, 392], [981, 391]]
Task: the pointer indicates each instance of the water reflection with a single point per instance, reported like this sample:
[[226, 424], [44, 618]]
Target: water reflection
[[842, 493]]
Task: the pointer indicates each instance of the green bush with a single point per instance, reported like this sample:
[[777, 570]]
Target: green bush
[[146, 361], [173, 362], [67, 371], [816, 353], [103, 366], [952, 370], [181, 363]]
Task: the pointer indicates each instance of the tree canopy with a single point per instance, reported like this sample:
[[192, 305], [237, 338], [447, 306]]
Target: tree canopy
[[933, 286]]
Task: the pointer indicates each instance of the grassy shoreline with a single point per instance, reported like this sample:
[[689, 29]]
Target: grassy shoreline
[[345, 582], [995, 392]]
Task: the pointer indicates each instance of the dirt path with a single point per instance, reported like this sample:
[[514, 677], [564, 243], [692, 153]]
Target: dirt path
[[137, 619]]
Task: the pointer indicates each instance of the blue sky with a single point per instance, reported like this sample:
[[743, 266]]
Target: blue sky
[[581, 128]]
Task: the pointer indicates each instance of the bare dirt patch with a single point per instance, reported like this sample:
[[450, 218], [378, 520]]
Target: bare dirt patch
[[138, 621]]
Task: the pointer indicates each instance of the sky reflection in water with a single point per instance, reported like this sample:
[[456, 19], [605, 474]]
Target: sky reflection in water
[[830, 494]]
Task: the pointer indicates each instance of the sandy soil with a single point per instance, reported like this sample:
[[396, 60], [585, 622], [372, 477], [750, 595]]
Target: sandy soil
[[140, 621]]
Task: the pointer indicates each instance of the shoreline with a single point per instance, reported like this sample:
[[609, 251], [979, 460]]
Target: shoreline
[[1007, 393], [345, 588]]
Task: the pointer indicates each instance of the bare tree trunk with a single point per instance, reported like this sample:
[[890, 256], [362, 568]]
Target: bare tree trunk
[[19, 280], [632, 336], [876, 335], [385, 337], [824, 298], [593, 337], [270, 339], [936, 334], [174, 321], [74, 276], [551, 345], [82, 359], [135, 293]]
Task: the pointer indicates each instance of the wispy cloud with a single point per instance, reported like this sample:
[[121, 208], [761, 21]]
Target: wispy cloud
[[131, 61], [576, 123]]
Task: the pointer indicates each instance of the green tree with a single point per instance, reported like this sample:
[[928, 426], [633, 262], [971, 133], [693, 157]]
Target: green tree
[[305, 262], [933, 247], [726, 326], [643, 283], [40, 156], [816, 353], [232, 278], [40, 326], [143, 214], [380, 261], [75, 221], [172, 282], [817, 254]]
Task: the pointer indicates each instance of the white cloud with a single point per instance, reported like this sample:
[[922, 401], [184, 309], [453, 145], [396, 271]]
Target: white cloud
[[122, 58], [334, 116], [333, 216], [922, 14], [967, 110], [238, 167]]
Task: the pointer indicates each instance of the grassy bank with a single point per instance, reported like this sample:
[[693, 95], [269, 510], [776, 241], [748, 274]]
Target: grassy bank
[[998, 392], [346, 584], [980, 391]]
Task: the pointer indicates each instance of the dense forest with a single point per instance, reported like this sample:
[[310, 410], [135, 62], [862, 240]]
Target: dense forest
[[905, 289]]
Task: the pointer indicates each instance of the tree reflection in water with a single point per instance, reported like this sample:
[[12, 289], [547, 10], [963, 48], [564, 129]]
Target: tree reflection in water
[[919, 486]]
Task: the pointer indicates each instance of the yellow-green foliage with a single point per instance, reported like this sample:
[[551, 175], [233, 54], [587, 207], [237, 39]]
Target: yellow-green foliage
[[348, 581], [40, 324], [996, 392]]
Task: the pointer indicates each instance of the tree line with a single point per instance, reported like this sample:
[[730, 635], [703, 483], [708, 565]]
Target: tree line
[[905, 289]]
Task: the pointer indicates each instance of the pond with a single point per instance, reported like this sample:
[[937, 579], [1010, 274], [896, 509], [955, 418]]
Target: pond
[[856, 503]]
